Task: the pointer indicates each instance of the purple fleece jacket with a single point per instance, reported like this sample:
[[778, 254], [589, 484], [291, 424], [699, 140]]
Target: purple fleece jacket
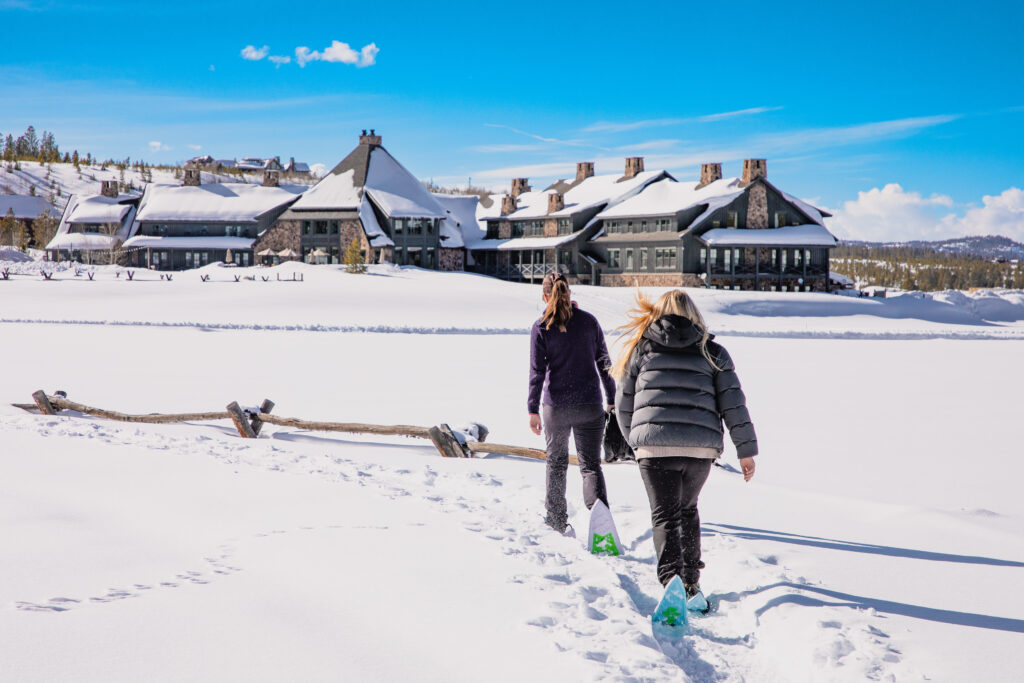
[[569, 367]]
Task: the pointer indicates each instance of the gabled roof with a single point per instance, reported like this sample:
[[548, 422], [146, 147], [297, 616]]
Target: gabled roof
[[95, 209], [591, 192], [371, 170], [667, 197]]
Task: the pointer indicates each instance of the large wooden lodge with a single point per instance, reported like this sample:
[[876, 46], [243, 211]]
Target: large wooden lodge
[[635, 227]]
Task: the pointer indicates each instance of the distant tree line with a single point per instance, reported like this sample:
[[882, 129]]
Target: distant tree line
[[911, 268]]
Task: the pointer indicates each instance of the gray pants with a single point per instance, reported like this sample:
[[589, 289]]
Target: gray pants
[[586, 423]]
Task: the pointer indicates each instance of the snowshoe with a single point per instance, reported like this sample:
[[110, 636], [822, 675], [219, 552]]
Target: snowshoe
[[695, 600]]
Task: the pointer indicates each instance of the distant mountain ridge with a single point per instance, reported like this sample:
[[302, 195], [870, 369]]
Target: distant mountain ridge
[[978, 246]]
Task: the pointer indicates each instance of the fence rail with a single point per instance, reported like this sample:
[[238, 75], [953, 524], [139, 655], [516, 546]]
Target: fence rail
[[249, 422]]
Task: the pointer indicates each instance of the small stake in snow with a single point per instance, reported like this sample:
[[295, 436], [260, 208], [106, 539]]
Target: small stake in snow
[[241, 422]]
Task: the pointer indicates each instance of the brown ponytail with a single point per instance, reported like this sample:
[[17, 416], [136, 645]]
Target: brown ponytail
[[559, 310]]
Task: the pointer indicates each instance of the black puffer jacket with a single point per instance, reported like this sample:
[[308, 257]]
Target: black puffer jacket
[[671, 396]]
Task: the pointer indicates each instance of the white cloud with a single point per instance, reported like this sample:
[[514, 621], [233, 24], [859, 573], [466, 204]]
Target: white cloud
[[194, 147], [278, 60], [254, 55], [612, 127], [368, 55], [157, 146], [303, 56], [338, 52], [893, 214], [1002, 214]]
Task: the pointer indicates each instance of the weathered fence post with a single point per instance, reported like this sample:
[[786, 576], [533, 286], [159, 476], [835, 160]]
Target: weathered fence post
[[43, 403], [265, 408], [446, 442], [241, 423]]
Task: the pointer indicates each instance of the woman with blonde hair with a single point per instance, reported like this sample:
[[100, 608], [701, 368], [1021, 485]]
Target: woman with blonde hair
[[676, 386], [569, 368]]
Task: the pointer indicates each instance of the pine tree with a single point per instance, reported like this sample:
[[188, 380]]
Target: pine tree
[[7, 228], [44, 228], [354, 257], [32, 190]]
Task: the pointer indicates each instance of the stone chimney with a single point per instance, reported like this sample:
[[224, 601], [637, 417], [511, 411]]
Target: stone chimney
[[634, 165], [109, 189], [508, 205], [709, 173], [556, 202], [754, 169], [373, 140], [193, 177], [271, 178], [519, 186], [584, 169]]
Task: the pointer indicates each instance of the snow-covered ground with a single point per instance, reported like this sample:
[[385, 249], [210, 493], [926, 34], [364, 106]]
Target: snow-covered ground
[[881, 539]]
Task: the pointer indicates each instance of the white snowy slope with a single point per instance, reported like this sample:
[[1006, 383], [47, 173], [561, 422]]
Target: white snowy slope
[[880, 540]]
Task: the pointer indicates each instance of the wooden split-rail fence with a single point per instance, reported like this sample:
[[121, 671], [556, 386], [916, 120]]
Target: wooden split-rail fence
[[249, 422]]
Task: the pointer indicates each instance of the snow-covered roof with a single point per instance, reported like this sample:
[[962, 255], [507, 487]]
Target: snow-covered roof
[[332, 192], [374, 233], [667, 197], [460, 226], [791, 235], [98, 209], [83, 241], [94, 209], [524, 243], [397, 191], [213, 201], [598, 189], [212, 242], [25, 206], [813, 213]]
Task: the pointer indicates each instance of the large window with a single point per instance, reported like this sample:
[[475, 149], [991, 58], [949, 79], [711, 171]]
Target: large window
[[643, 259], [665, 257], [613, 227], [564, 226], [732, 219], [306, 227], [629, 259], [613, 258], [321, 227], [517, 228], [664, 224]]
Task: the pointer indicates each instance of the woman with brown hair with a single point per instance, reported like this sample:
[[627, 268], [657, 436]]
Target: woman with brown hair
[[569, 366], [676, 386]]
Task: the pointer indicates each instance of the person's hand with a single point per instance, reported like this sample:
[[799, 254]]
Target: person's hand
[[748, 466], [535, 423], [611, 407]]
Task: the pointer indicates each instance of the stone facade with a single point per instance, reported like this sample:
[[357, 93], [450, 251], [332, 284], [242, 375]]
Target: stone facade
[[451, 259], [282, 235], [504, 230], [634, 166], [551, 227], [757, 207], [353, 229], [193, 177], [754, 169], [709, 173], [584, 169], [109, 188], [508, 205], [520, 186], [651, 280], [556, 202]]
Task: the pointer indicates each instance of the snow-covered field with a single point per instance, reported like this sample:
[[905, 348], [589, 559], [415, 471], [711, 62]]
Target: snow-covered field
[[881, 539]]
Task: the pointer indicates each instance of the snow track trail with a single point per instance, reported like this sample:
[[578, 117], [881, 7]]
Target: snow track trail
[[595, 609]]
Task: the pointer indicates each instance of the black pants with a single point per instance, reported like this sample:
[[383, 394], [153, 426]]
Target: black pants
[[673, 485], [586, 423]]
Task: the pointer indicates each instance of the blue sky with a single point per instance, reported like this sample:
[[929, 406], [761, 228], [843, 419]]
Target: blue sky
[[841, 99]]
